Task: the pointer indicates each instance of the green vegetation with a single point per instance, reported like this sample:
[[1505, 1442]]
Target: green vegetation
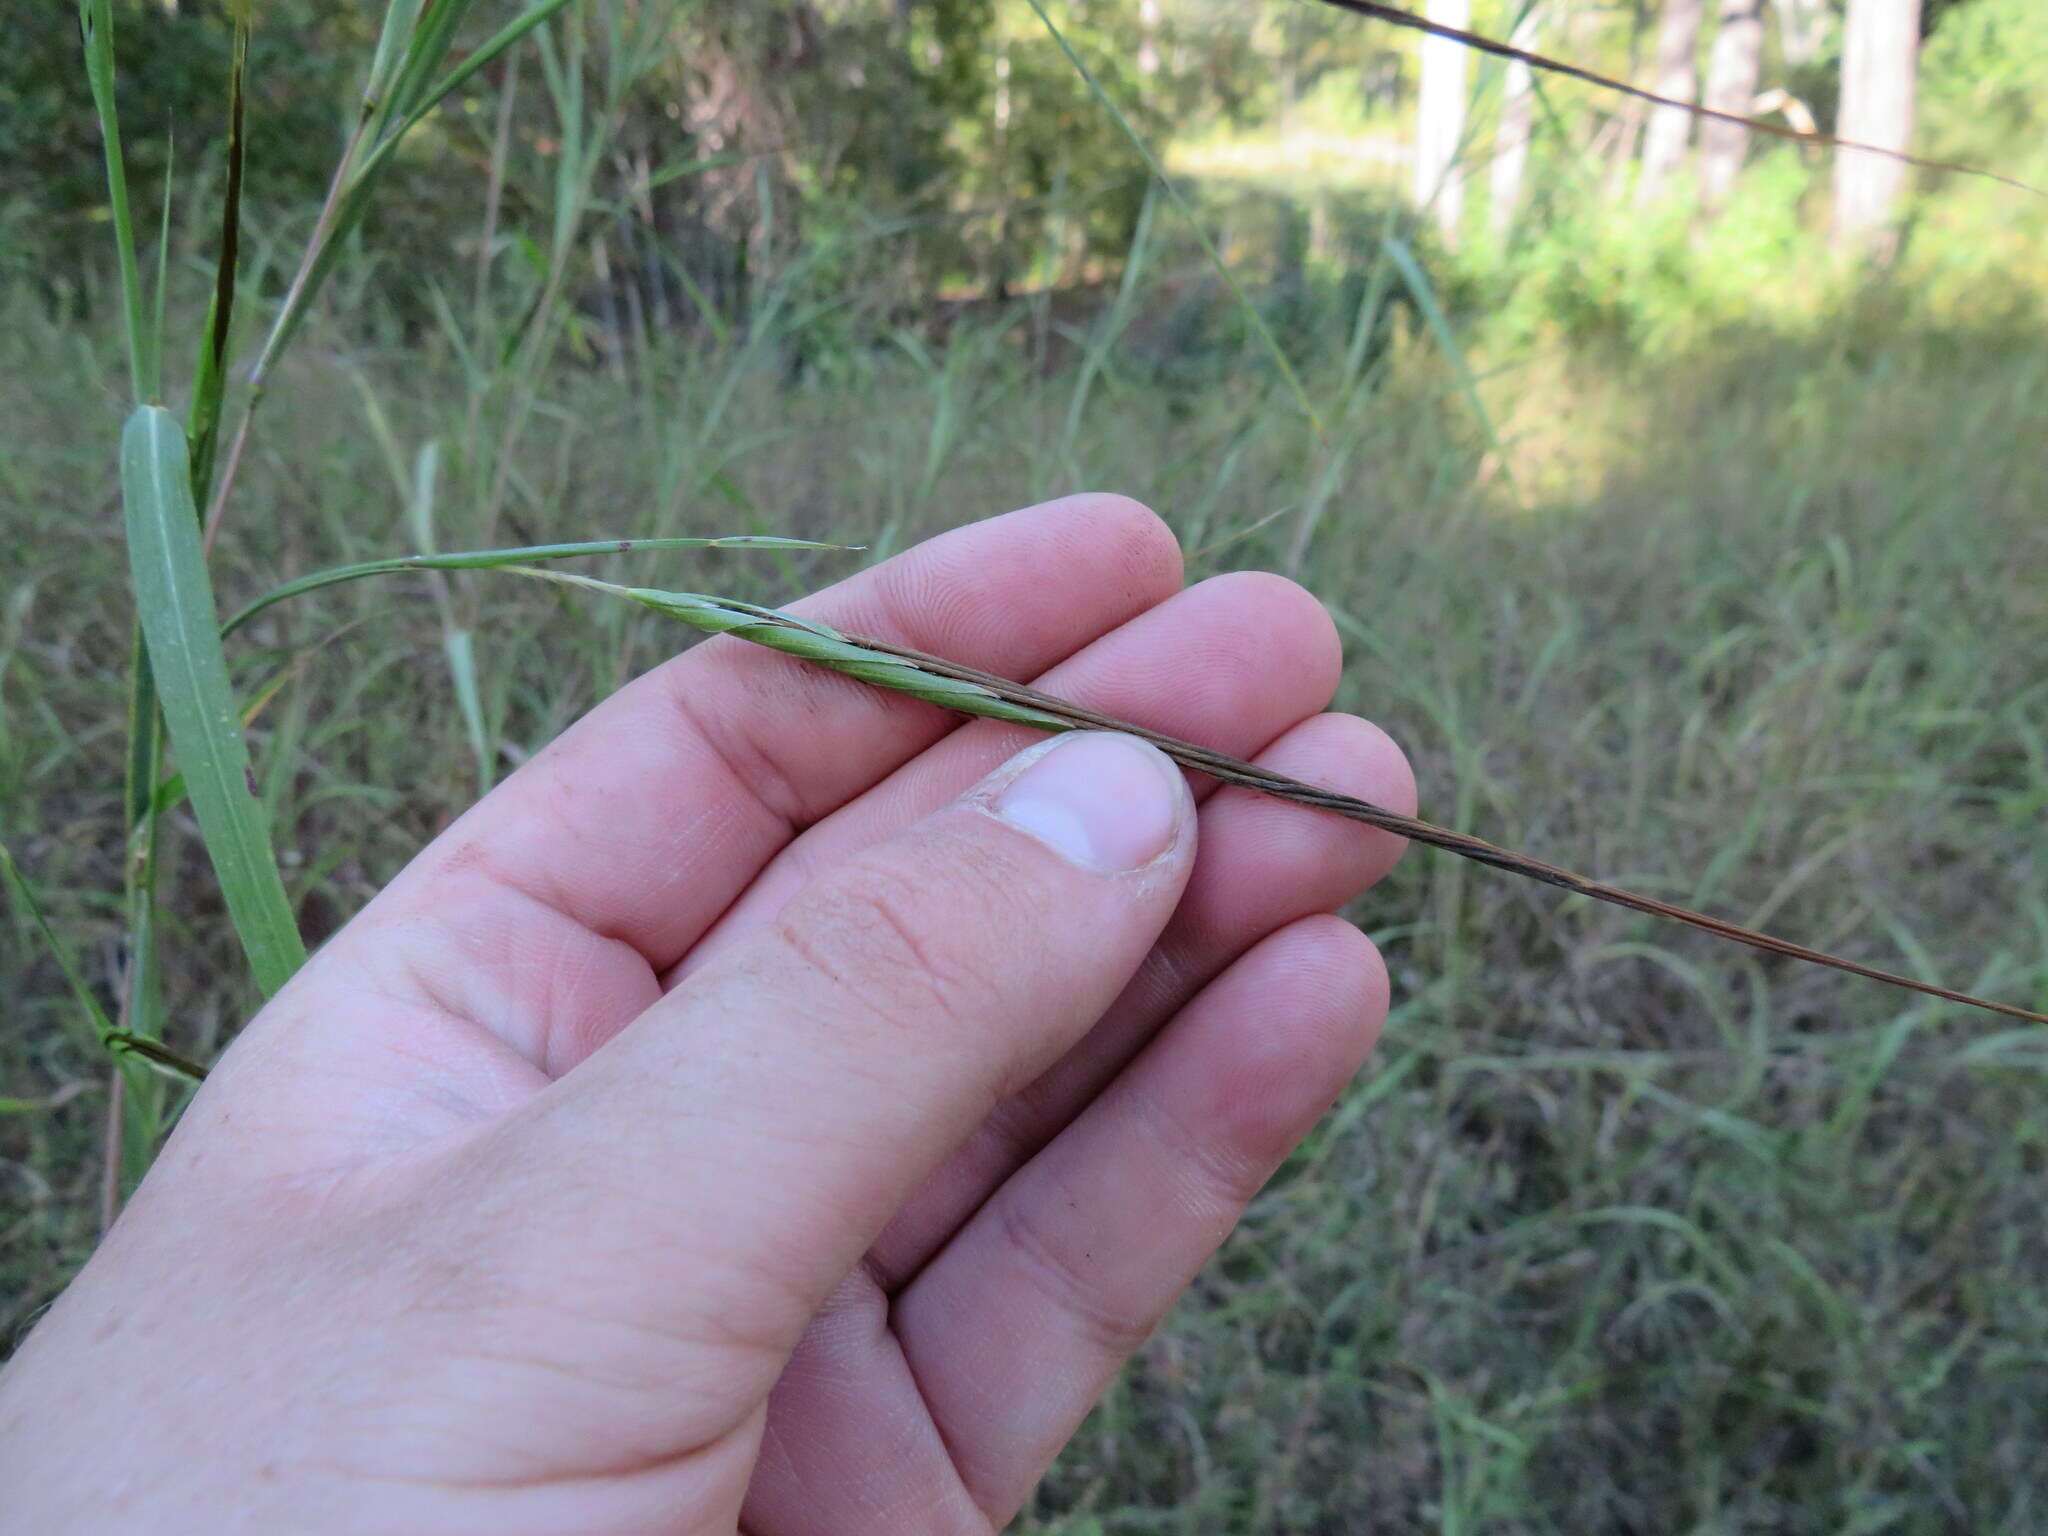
[[1681, 552]]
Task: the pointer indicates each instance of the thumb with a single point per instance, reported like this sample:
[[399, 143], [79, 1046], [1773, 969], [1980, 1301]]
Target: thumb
[[758, 1126]]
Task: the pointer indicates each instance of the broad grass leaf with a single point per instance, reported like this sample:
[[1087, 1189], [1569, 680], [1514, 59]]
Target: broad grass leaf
[[175, 602]]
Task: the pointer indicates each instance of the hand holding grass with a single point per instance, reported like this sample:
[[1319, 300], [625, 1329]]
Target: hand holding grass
[[727, 1121]]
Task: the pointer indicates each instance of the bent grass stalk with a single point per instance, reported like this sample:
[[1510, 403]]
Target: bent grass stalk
[[969, 691]]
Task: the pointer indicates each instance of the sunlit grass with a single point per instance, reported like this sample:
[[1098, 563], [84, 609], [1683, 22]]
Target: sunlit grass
[[1305, 159]]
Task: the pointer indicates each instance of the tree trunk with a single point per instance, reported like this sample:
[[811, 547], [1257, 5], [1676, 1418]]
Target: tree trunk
[[1628, 122], [1733, 70], [1440, 119], [1678, 41], [1511, 144], [1880, 55], [1799, 31]]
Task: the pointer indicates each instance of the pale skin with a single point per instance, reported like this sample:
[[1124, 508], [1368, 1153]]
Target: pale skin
[[776, 1108]]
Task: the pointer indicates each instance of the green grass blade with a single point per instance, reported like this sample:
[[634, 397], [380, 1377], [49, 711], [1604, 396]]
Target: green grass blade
[[1108, 331], [350, 206], [1419, 287], [210, 378], [142, 763], [696, 167], [393, 41], [478, 58], [155, 367], [157, 1056], [175, 601], [424, 50], [491, 559], [455, 635], [27, 1106], [142, 1006], [460, 649], [429, 46], [1252, 316], [96, 25], [1366, 323], [18, 886]]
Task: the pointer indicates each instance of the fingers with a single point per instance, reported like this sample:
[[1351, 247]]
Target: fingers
[[1260, 865], [645, 818], [1016, 1328], [617, 846], [752, 1132]]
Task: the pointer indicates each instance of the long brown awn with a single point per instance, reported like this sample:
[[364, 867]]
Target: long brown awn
[[973, 692], [1233, 770]]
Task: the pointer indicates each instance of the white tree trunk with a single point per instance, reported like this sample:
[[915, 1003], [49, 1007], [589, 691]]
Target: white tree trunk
[[1678, 42], [1733, 70], [1511, 145], [1440, 119], [1880, 58], [1800, 24]]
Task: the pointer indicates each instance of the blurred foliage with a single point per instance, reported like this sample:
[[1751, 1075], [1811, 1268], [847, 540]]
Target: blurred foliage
[[1983, 73], [907, 153], [172, 71]]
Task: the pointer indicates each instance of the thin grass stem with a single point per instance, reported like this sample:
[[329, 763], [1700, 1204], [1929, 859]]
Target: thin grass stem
[[96, 26], [494, 559]]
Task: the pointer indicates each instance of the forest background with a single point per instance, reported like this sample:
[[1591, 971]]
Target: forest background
[[1678, 489]]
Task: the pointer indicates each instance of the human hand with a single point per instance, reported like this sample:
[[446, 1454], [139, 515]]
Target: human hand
[[726, 1123]]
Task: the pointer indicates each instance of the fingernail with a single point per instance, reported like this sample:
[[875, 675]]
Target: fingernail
[[1104, 801]]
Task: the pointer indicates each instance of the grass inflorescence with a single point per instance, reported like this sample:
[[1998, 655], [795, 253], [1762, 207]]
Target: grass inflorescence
[[969, 691]]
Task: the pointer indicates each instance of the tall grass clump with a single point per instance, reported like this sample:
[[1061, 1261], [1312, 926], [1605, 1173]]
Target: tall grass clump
[[1735, 652], [178, 471]]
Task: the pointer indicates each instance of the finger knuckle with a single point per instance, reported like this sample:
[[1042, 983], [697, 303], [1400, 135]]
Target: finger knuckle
[[1068, 1280], [901, 943]]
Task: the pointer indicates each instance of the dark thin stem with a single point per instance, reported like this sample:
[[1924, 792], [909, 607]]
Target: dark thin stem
[[231, 223], [287, 316], [1231, 770]]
